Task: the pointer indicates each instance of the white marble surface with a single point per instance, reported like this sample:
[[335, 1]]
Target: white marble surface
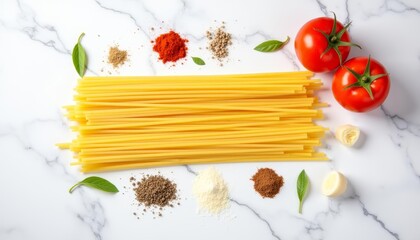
[[37, 77]]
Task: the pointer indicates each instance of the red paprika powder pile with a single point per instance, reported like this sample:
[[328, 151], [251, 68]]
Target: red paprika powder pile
[[171, 47]]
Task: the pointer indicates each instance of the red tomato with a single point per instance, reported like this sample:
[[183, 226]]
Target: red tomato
[[361, 84], [319, 43]]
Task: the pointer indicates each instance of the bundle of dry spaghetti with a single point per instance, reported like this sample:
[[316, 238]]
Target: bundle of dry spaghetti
[[136, 122]]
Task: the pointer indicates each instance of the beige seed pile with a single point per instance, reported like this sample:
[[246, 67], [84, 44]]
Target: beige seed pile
[[219, 41]]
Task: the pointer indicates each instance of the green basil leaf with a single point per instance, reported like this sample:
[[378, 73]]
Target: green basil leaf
[[302, 187], [271, 45], [96, 182], [198, 61], [79, 57]]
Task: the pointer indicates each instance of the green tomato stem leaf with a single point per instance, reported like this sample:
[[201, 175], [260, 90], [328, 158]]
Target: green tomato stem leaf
[[374, 77], [302, 187], [367, 68], [354, 73], [334, 39], [271, 45], [356, 84], [334, 26], [335, 47], [343, 30], [97, 183], [369, 91], [79, 57], [198, 61]]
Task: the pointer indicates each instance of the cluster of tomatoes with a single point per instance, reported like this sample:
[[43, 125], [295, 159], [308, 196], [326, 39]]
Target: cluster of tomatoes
[[360, 84]]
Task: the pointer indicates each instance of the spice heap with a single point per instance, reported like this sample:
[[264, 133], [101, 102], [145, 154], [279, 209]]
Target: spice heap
[[219, 42], [155, 191], [267, 183], [211, 191], [117, 57], [171, 47]]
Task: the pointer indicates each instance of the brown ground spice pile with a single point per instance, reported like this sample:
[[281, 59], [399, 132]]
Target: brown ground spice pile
[[219, 41], [267, 183], [155, 190], [117, 57]]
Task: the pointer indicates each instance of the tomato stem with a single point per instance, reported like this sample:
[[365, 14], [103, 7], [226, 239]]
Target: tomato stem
[[364, 80], [334, 39]]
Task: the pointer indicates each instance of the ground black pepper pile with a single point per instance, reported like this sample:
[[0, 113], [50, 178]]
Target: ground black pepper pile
[[155, 191]]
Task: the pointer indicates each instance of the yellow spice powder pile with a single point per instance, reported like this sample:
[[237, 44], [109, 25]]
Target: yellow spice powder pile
[[117, 57]]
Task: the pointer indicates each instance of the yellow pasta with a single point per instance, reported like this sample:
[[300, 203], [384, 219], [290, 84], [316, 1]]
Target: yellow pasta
[[153, 121]]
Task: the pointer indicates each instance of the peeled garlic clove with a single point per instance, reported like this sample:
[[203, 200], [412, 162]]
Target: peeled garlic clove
[[334, 184], [347, 134]]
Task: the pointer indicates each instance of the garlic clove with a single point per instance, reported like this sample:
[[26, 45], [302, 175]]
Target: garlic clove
[[347, 134], [334, 184]]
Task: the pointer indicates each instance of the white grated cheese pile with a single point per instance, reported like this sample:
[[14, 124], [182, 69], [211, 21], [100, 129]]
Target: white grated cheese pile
[[210, 191]]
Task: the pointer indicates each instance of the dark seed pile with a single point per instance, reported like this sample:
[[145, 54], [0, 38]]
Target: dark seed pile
[[155, 190]]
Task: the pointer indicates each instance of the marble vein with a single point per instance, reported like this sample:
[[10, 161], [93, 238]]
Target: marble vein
[[256, 214], [27, 146], [129, 15], [392, 6], [314, 228], [410, 163], [35, 30], [94, 216], [397, 6], [184, 10], [322, 7], [402, 124], [347, 19], [375, 218], [189, 169], [45, 34], [292, 59]]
